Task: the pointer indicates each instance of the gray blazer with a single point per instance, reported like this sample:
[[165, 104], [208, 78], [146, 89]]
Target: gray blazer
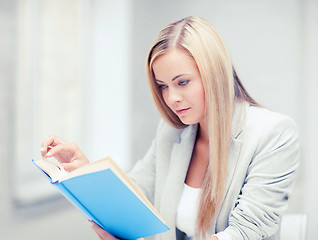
[[263, 157]]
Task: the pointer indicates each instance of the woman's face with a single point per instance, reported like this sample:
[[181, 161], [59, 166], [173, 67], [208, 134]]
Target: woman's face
[[179, 79]]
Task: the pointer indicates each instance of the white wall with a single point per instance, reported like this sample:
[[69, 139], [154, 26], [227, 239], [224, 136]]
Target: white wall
[[7, 44], [309, 116], [109, 106]]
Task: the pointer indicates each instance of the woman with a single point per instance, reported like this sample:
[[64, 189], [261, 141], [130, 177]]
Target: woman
[[221, 166]]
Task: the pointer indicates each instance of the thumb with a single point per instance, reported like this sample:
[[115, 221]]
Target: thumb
[[71, 166], [74, 164]]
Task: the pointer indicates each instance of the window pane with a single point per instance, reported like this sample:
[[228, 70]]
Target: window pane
[[49, 91]]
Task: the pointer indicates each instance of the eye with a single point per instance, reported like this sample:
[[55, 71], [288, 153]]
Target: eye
[[184, 82], [162, 86]]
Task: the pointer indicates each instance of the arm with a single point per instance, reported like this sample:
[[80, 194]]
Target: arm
[[144, 171], [268, 184]]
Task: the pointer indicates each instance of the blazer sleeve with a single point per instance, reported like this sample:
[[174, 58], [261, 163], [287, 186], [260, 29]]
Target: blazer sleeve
[[144, 171], [268, 183]]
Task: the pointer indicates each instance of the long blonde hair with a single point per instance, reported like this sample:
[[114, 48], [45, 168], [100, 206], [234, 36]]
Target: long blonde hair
[[198, 38]]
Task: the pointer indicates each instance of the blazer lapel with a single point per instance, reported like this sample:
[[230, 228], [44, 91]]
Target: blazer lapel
[[234, 151], [180, 159], [235, 144]]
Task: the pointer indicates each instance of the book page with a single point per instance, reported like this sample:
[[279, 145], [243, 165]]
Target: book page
[[53, 170], [88, 168]]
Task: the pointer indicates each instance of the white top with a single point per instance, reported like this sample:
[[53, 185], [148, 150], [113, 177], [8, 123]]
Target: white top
[[187, 211]]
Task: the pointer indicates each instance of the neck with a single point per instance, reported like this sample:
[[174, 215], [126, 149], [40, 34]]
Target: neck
[[203, 132]]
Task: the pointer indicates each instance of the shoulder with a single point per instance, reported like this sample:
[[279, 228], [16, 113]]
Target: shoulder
[[265, 130], [262, 120]]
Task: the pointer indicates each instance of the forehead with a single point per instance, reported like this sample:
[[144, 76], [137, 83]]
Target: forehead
[[173, 63]]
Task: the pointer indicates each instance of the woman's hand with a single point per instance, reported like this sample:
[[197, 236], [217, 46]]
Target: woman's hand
[[103, 235], [213, 238], [68, 154]]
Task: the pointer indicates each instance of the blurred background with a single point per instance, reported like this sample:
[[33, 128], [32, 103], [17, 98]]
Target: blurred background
[[76, 69]]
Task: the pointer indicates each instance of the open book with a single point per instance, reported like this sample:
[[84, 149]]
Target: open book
[[107, 196]]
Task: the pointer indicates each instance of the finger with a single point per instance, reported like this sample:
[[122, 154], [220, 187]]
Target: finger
[[62, 149], [50, 141], [72, 165]]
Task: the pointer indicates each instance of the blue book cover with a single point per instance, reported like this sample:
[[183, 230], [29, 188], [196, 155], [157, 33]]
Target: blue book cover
[[105, 195]]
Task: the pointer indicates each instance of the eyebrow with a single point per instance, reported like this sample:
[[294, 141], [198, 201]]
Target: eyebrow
[[177, 77], [157, 80]]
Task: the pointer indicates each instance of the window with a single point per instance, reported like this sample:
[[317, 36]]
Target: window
[[72, 80]]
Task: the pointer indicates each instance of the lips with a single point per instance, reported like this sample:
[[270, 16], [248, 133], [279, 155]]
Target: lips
[[182, 111]]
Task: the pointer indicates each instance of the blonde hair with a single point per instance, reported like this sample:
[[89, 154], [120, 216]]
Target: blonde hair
[[198, 38]]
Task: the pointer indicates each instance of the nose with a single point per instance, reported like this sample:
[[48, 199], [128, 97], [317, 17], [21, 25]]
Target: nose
[[174, 96]]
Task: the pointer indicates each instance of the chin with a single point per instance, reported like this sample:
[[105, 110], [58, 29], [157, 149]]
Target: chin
[[188, 122]]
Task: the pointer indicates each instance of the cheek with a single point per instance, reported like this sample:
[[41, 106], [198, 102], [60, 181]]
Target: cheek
[[201, 104], [199, 95]]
